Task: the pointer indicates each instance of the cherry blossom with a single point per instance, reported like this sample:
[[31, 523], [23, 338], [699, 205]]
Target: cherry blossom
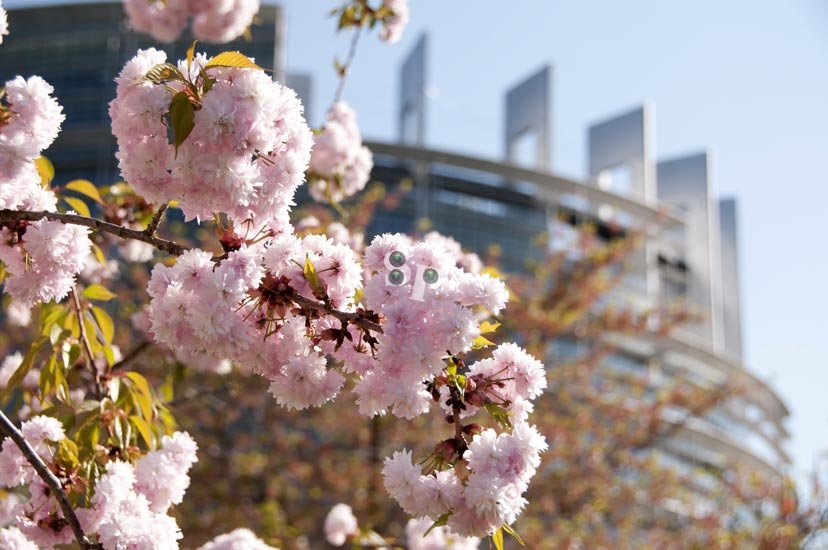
[[340, 165], [238, 539], [340, 524], [216, 21]]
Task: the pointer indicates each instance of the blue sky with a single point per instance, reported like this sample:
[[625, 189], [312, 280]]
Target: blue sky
[[747, 79]]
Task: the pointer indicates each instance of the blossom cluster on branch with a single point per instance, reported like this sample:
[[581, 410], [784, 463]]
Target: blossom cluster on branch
[[42, 257], [240, 142], [394, 320], [340, 165]]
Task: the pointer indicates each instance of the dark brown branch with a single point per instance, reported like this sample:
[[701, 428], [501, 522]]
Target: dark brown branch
[[49, 478], [171, 247], [152, 226], [344, 316], [12, 216]]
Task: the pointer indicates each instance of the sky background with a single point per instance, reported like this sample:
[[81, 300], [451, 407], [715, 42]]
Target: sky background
[[746, 79]]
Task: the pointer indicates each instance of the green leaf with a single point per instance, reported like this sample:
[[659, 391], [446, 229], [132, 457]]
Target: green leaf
[[78, 206], [85, 187], [499, 414], [67, 454], [481, 342], [98, 292], [441, 521], [48, 376], [311, 276], [143, 394], [452, 367], [105, 323], [45, 170], [114, 387], [508, 528], [191, 54], [497, 539], [165, 72], [143, 428], [181, 118], [486, 327], [232, 59], [99, 255], [49, 315], [26, 365]]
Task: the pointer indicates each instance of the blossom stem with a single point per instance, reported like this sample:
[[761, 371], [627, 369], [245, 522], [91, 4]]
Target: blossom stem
[[152, 226], [345, 70], [345, 316], [170, 247], [49, 478], [85, 340]]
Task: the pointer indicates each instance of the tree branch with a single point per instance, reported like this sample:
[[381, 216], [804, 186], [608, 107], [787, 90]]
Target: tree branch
[[344, 316], [49, 478], [12, 216], [86, 346], [171, 247], [152, 226]]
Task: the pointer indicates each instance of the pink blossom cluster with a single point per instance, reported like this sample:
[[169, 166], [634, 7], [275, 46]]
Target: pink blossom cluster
[[246, 154], [129, 507], [428, 304], [439, 538], [43, 262], [340, 524], [340, 165], [33, 124], [393, 26], [4, 23], [510, 377], [43, 257], [236, 310], [216, 21], [12, 538], [130, 502], [238, 539], [468, 261], [42, 433], [491, 495]]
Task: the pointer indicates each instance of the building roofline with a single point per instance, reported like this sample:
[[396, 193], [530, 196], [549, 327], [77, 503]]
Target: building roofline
[[549, 185]]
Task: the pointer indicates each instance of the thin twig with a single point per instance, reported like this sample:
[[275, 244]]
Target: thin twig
[[346, 69], [11, 216], [152, 226], [131, 355], [49, 478], [86, 346]]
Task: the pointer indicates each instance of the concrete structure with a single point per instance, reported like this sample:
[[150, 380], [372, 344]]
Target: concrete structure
[[691, 255]]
